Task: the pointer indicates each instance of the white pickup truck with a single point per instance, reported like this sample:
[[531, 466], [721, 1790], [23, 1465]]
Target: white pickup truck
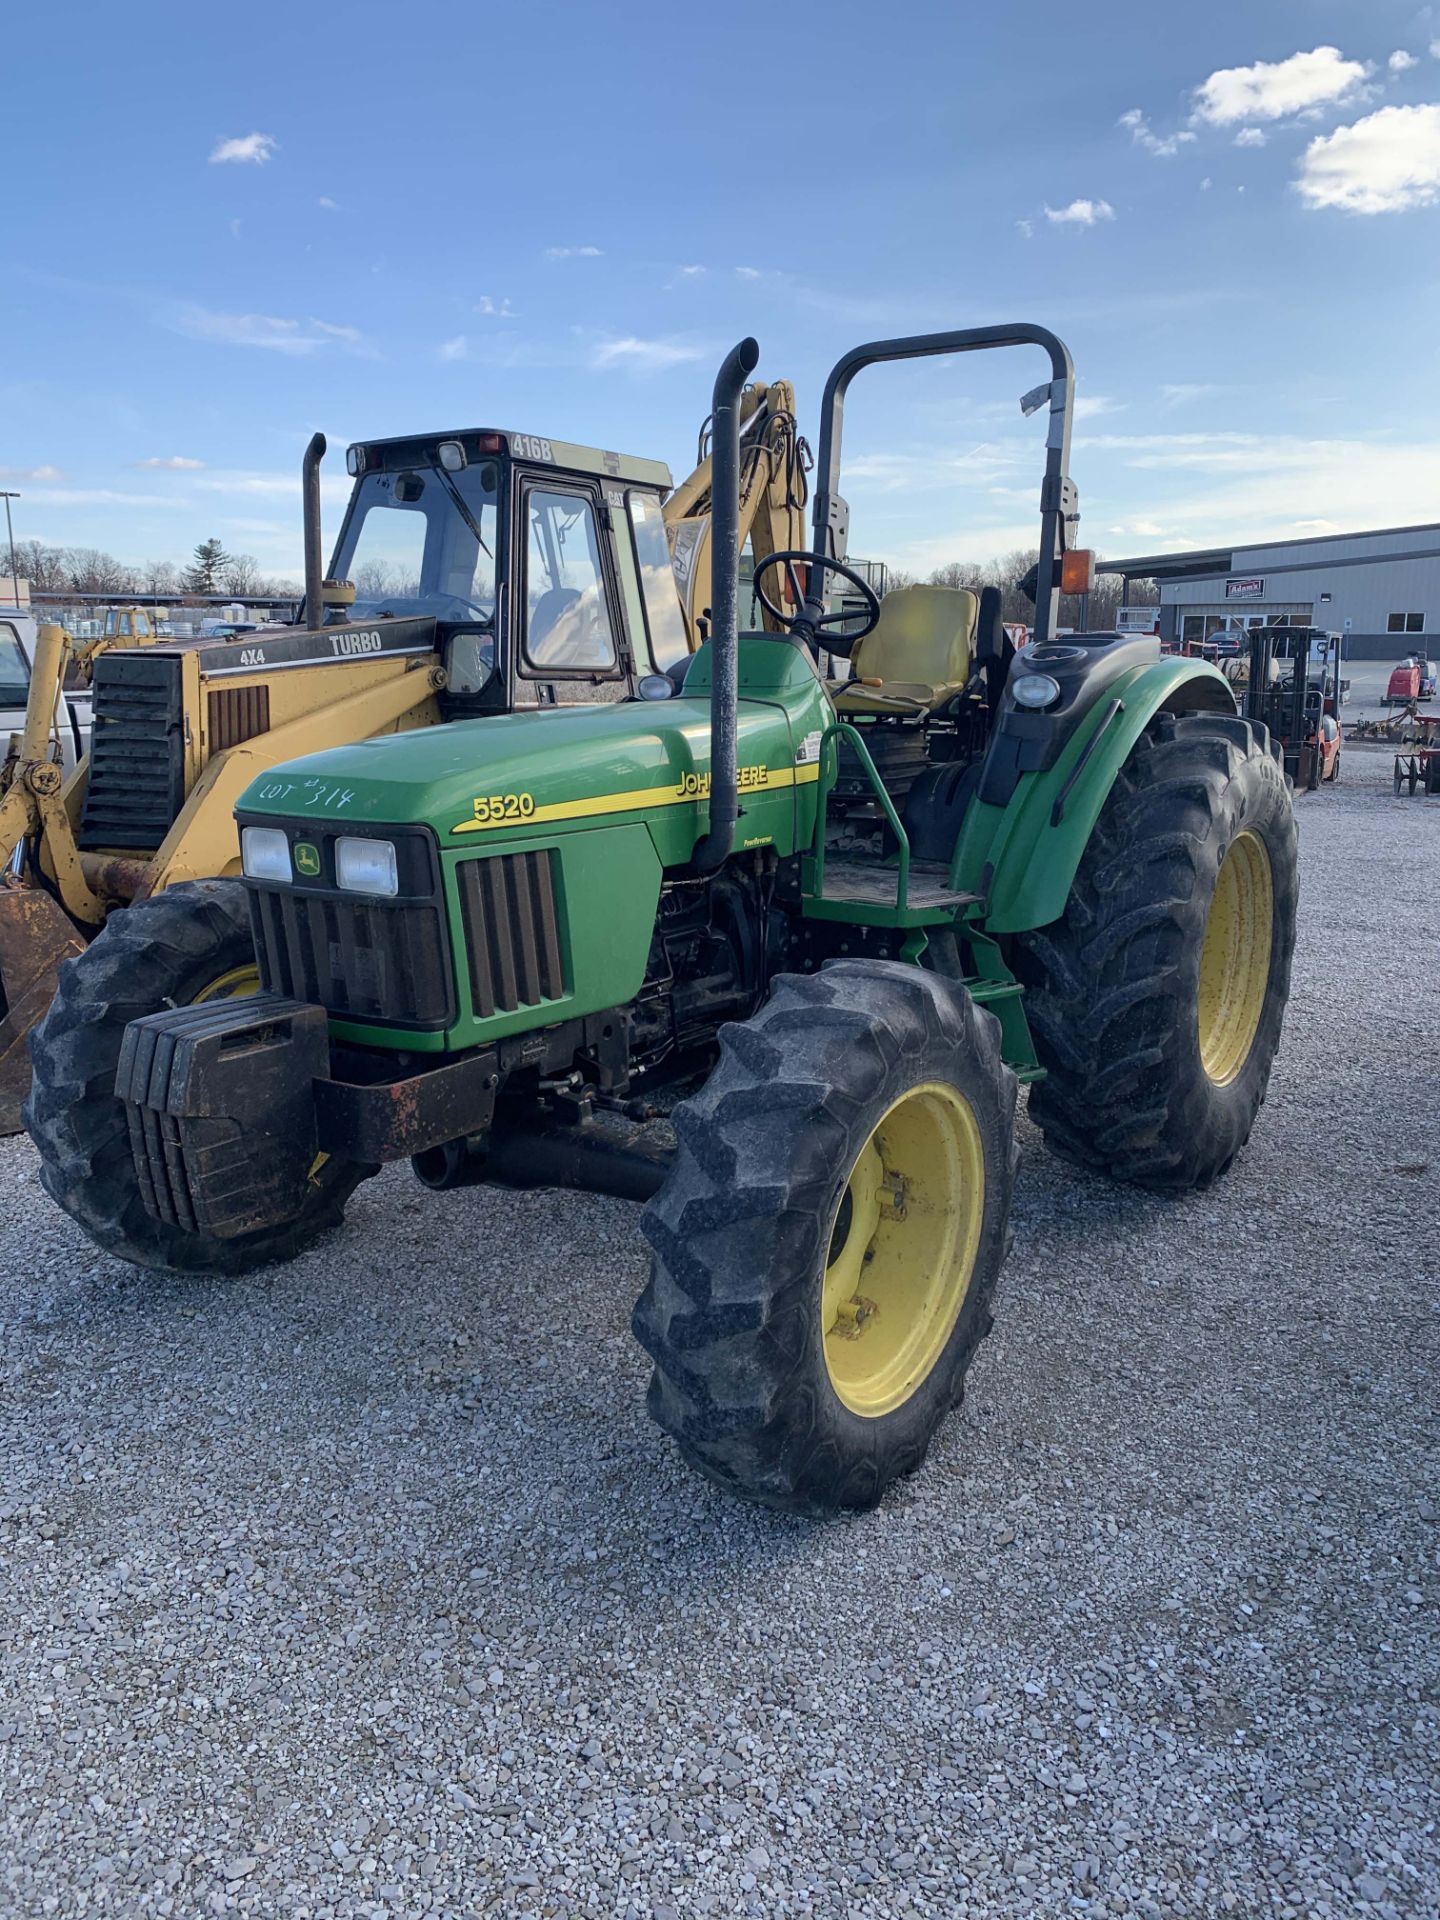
[[72, 709]]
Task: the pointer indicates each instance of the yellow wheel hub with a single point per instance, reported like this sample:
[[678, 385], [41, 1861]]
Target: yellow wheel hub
[[902, 1249], [1235, 959], [238, 984]]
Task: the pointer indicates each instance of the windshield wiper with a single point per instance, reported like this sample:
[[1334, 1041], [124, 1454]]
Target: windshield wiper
[[469, 518]]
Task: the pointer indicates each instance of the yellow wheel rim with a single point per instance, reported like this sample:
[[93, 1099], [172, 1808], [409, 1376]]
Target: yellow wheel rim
[[1235, 959], [238, 984], [902, 1249]]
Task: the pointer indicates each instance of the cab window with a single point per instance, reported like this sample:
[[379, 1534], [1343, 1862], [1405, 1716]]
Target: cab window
[[14, 668], [668, 643], [567, 618]]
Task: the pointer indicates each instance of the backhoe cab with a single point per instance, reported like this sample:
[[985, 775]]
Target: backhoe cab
[[825, 927], [538, 571]]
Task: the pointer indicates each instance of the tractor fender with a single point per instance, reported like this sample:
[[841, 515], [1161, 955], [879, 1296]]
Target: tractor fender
[[1021, 858]]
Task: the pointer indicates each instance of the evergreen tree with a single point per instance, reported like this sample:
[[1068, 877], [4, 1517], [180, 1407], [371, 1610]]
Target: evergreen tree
[[205, 569]]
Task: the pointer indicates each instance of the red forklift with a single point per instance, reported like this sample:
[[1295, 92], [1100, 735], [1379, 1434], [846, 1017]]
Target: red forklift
[[1295, 690]]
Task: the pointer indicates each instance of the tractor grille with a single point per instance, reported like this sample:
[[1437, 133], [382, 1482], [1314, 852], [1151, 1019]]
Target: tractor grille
[[137, 752], [237, 713], [512, 931], [359, 959]]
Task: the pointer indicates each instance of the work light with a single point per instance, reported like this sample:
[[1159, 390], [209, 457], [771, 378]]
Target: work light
[[366, 866], [1035, 690], [265, 854]]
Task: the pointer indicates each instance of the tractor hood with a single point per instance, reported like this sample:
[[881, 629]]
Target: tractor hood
[[561, 766]]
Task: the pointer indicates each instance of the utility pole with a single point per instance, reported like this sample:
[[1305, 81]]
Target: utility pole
[[10, 532]]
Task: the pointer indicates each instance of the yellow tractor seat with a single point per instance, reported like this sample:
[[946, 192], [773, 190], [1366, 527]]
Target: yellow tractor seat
[[920, 652]]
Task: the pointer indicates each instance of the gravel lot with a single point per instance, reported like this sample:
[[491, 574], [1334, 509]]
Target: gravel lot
[[364, 1587]]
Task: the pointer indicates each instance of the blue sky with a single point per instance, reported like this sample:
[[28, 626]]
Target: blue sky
[[225, 230]]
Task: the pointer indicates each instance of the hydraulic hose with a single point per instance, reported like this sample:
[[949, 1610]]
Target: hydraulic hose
[[738, 365]]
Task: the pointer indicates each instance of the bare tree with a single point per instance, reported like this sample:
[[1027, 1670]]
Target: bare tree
[[44, 567], [88, 570], [240, 574], [161, 576]]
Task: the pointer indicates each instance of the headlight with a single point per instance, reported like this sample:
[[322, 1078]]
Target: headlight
[[264, 854], [366, 866], [1035, 690]]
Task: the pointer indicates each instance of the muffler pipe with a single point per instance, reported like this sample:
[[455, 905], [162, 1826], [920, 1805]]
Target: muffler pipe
[[314, 615], [738, 365]]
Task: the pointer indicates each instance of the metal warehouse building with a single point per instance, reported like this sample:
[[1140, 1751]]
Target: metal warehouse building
[[1380, 589]]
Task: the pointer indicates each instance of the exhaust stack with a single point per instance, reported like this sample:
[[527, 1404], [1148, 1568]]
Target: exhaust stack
[[738, 365], [314, 615]]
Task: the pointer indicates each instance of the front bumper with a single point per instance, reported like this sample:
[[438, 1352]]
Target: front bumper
[[230, 1105]]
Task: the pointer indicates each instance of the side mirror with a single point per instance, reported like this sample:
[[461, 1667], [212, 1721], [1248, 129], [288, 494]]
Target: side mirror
[[654, 686]]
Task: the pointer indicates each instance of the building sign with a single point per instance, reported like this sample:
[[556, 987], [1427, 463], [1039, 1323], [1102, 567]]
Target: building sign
[[1244, 589]]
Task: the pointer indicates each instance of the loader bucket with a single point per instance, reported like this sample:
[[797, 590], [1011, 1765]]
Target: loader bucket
[[36, 934]]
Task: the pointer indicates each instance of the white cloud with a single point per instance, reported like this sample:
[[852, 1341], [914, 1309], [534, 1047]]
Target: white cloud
[[1080, 213], [330, 206], [650, 356], [693, 273], [1025, 229], [1384, 163], [1435, 49], [247, 484], [1400, 61], [97, 497], [172, 463], [1178, 393], [456, 349], [253, 149], [573, 253], [262, 330], [1144, 135], [1088, 405], [488, 309], [1273, 90], [1250, 137], [31, 473], [748, 273]]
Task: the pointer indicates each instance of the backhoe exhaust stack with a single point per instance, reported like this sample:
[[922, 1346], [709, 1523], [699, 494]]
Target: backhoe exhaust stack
[[314, 563], [738, 365]]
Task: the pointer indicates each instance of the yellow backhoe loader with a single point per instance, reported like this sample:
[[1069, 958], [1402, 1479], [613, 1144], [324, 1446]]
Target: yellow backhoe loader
[[476, 573]]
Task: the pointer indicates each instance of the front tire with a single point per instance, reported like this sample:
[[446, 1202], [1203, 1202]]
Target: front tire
[[1156, 999], [828, 1238], [188, 944]]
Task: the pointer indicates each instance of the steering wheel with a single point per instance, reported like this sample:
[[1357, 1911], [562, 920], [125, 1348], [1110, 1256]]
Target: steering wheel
[[823, 627]]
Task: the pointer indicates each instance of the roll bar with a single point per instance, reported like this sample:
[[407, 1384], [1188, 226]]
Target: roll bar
[[1059, 502]]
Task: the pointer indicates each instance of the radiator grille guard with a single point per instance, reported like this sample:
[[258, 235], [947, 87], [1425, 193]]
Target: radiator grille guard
[[137, 752], [389, 962], [512, 931]]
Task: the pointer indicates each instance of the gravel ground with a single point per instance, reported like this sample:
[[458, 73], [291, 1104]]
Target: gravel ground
[[364, 1587]]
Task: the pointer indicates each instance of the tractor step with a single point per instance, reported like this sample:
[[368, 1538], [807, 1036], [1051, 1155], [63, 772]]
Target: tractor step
[[864, 880], [850, 884]]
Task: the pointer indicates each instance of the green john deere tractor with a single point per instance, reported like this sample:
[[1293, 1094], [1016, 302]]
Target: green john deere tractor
[[824, 929]]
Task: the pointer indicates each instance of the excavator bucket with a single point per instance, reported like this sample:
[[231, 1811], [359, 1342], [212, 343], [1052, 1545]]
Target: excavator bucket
[[35, 936]]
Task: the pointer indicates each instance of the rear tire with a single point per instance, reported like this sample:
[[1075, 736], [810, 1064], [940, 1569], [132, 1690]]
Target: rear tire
[[859, 1128], [1144, 1082], [190, 943]]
